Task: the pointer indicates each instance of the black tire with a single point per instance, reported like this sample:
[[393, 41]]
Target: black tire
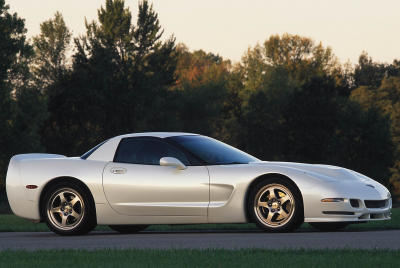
[[296, 215], [87, 221], [128, 229], [329, 226]]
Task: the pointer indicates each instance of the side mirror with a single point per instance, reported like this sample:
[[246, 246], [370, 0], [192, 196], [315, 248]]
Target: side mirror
[[172, 162]]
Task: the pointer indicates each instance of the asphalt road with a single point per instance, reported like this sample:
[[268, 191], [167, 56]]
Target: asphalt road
[[200, 240]]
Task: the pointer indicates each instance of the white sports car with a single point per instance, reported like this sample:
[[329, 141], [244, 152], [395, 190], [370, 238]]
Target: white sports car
[[134, 180]]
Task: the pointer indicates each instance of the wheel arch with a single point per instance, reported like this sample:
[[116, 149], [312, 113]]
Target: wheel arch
[[63, 179], [263, 177]]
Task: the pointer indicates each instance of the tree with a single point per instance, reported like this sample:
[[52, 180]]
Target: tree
[[201, 91], [12, 42], [20, 110], [274, 72], [262, 117], [299, 56], [51, 47], [370, 73], [313, 123], [386, 98], [324, 127], [121, 72]]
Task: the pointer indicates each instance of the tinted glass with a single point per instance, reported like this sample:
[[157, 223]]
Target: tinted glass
[[211, 151], [146, 151]]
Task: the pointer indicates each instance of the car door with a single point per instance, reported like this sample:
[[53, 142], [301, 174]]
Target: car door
[[135, 183]]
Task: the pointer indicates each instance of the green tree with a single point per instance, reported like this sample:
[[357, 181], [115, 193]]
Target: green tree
[[21, 111], [119, 81], [296, 108], [12, 42], [201, 91], [298, 55], [314, 124], [262, 119], [273, 72], [386, 98], [51, 47], [370, 73]]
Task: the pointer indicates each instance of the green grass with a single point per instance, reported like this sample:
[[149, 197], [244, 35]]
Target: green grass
[[11, 223], [201, 258]]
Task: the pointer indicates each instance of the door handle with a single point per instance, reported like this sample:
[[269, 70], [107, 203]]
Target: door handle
[[118, 170]]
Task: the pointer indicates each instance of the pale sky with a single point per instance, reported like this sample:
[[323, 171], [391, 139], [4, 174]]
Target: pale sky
[[229, 27]]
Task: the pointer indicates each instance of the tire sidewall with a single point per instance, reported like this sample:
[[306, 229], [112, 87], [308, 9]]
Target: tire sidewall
[[298, 215], [88, 221]]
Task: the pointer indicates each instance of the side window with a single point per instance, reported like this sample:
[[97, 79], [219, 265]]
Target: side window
[[146, 151]]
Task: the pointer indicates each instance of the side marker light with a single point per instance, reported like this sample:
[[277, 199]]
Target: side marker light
[[332, 200]]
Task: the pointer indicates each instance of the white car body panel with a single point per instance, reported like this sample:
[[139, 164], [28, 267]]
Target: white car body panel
[[157, 190], [148, 194]]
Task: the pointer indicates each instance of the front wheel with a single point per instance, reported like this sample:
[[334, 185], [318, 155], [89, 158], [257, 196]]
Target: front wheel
[[276, 205], [68, 210]]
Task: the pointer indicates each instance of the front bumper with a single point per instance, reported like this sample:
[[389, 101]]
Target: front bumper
[[348, 210]]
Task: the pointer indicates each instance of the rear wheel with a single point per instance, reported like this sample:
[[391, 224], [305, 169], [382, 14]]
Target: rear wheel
[[275, 205], [329, 226], [128, 229], [68, 209]]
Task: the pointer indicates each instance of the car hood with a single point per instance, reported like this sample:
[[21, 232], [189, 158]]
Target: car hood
[[327, 172]]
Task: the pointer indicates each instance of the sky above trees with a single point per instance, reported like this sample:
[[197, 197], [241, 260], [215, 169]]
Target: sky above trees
[[228, 27]]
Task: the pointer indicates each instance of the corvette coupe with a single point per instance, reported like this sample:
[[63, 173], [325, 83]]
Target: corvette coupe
[[131, 181]]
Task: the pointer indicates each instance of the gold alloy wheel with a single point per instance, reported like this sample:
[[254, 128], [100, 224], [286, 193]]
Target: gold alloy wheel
[[274, 205], [65, 209]]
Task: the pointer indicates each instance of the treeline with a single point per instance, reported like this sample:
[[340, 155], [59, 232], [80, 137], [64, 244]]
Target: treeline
[[289, 99]]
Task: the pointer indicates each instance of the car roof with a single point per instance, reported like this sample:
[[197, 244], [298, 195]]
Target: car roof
[[156, 134]]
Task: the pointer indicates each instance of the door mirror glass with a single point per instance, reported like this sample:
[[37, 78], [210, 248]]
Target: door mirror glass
[[172, 162]]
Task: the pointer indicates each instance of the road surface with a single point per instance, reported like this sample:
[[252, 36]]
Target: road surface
[[203, 239]]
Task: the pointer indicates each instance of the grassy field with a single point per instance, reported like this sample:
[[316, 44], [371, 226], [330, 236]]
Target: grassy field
[[201, 258], [11, 223]]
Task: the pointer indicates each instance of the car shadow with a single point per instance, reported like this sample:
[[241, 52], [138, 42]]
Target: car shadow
[[205, 231]]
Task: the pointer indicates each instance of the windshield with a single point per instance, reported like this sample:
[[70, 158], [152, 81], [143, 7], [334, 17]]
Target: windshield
[[211, 151]]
